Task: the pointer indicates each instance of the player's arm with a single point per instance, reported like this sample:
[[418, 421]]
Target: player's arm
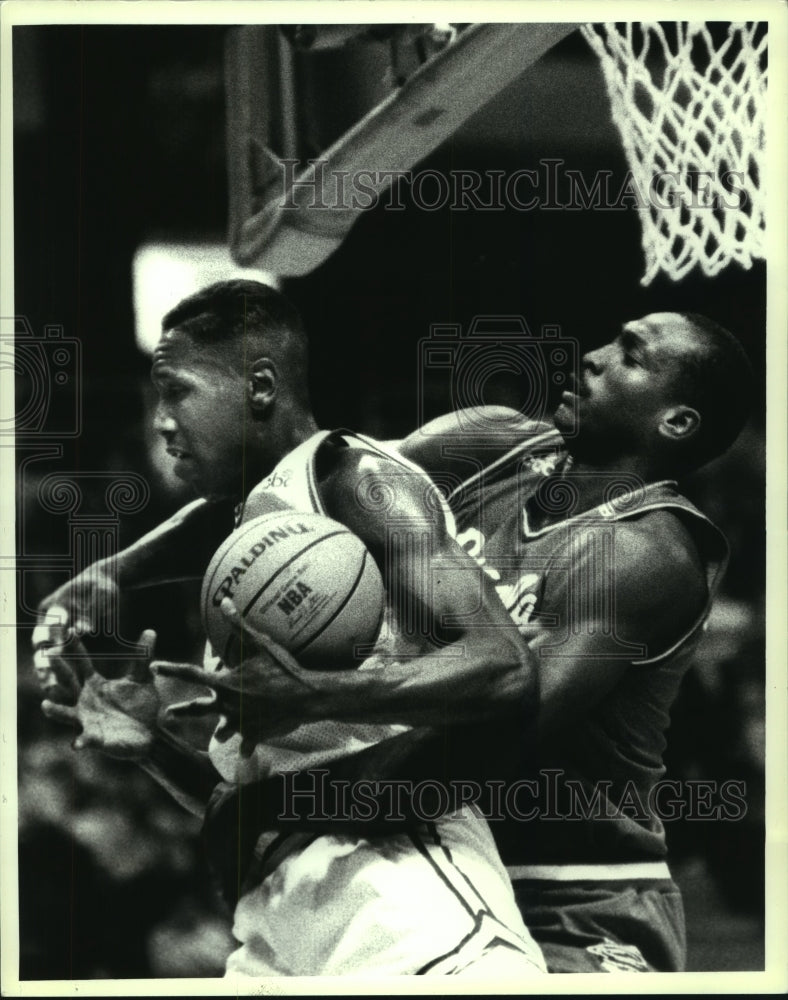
[[462, 439], [629, 605], [484, 669], [631, 595], [633, 609], [120, 717], [657, 590], [480, 669], [178, 549], [625, 611]]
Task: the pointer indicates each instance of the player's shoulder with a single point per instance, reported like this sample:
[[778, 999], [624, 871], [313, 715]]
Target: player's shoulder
[[657, 550], [484, 433], [660, 531], [343, 455], [476, 420], [365, 470], [651, 568], [364, 488]]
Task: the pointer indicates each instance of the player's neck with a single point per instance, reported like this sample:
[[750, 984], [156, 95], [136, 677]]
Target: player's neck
[[291, 428], [592, 478], [591, 482], [300, 426]]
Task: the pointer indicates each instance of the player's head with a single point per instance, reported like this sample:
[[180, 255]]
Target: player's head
[[672, 388], [247, 321], [231, 371]]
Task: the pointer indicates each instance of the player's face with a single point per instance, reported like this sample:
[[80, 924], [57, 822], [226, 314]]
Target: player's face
[[625, 386], [201, 414]]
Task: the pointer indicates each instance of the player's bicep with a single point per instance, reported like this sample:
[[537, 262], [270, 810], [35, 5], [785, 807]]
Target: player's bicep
[[574, 676], [389, 506], [617, 614], [481, 434], [399, 515]]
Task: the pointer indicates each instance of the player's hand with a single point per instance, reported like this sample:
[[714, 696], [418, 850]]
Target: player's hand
[[59, 662], [73, 610], [116, 716], [263, 695]]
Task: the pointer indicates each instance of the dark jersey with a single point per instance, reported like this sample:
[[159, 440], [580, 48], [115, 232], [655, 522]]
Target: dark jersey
[[591, 793]]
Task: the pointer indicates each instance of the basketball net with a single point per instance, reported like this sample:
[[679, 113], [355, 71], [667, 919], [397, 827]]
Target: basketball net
[[691, 113]]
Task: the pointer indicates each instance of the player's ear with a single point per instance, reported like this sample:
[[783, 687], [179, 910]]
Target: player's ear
[[261, 384], [679, 423]]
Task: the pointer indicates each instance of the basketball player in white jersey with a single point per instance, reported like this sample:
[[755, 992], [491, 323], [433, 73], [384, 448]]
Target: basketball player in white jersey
[[230, 371]]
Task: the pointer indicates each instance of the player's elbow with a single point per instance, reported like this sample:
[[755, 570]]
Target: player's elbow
[[520, 691], [511, 685]]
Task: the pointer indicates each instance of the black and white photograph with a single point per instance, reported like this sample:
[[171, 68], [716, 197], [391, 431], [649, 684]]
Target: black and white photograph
[[393, 498]]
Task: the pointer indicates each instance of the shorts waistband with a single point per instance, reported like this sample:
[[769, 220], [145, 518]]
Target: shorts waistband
[[590, 873]]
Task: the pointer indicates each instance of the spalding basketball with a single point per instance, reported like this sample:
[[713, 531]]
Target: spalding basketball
[[305, 580]]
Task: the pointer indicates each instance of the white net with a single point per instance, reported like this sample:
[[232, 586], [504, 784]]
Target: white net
[[689, 101]]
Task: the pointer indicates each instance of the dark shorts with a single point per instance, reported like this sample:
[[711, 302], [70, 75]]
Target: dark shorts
[[605, 926]]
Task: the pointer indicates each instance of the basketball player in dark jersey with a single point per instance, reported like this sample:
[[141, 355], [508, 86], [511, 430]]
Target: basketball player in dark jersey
[[610, 586], [609, 573]]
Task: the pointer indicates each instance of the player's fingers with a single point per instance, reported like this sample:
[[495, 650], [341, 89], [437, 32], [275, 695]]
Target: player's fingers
[[248, 635], [51, 629], [183, 672], [60, 713], [44, 660], [248, 744], [75, 660], [139, 667], [195, 707], [226, 693], [147, 639], [86, 740], [280, 656], [231, 613], [47, 635], [83, 626], [256, 641], [54, 691], [224, 731], [55, 675]]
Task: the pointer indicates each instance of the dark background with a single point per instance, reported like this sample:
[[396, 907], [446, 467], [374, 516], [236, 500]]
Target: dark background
[[119, 139]]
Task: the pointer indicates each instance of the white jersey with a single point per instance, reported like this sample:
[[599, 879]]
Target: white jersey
[[293, 484], [433, 901]]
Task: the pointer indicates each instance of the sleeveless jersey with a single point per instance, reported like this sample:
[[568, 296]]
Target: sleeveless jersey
[[434, 900], [293, 484], [588, 800]]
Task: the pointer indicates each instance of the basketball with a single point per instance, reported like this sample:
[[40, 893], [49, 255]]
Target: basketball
[[305, 580]]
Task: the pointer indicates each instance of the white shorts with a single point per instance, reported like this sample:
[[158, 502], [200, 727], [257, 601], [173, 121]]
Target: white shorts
[[435, 902]]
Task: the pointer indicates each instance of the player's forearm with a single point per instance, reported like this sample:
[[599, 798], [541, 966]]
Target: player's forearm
[[178, 549], [465, 682], [186, 773]]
